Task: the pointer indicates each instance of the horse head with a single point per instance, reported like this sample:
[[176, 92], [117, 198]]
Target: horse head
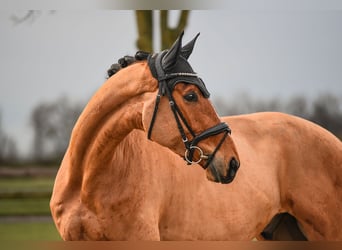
[[182, 118]]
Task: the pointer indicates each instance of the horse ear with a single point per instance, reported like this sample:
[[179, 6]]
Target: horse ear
[[170, 59], [187, 49]]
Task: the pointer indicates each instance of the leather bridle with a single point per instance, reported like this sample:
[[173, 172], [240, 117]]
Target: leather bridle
[[166, 82]]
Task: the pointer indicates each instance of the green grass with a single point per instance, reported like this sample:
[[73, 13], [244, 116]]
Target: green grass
[[25, 196], [25, 206], [26, 184], [28, 196], [28, 231]]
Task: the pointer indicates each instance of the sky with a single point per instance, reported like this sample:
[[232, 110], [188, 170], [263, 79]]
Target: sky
[[268, 53]]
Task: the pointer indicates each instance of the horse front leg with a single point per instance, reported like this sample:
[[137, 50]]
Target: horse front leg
[[282, 227]]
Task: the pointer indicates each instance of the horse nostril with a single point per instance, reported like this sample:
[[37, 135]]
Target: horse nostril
[[234, 163], [233, 167], [231, 172]]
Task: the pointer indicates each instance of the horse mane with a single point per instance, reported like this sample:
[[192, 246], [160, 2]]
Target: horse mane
[[126, 61]]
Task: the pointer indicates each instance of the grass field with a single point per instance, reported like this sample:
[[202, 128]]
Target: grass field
[[25, 184], [25, 196], [24, 209], [28, 231], [24, 206]]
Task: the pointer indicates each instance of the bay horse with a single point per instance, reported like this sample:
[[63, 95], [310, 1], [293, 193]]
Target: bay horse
[[115, 184]]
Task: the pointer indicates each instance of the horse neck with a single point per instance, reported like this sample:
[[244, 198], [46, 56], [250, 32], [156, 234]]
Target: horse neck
[[112, 113]]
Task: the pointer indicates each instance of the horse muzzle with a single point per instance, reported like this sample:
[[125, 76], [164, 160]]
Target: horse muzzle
[[230, 174]]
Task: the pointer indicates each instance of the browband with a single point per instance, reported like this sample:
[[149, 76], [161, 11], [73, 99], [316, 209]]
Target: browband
[[181, 72]]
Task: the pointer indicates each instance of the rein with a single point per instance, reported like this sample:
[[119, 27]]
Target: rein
[[166, 82]]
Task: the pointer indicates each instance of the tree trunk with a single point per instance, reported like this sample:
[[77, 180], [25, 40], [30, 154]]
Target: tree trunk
[[145, 30], [168, 35]]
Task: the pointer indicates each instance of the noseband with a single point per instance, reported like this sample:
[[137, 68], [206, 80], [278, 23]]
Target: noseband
[[166, 82]]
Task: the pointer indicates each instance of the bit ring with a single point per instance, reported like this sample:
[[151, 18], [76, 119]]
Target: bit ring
[[202, 156]]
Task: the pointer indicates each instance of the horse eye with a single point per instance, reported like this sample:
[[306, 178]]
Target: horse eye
[[191, 97]]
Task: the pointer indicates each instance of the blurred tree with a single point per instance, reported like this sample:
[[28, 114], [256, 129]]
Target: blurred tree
[[144, 20], [8, 149], [298, 106], [169, 34], [243, 103], [327, 112], [52, 125]]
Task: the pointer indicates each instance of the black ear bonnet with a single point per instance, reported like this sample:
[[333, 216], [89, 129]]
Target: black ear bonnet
[[171, 66]]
